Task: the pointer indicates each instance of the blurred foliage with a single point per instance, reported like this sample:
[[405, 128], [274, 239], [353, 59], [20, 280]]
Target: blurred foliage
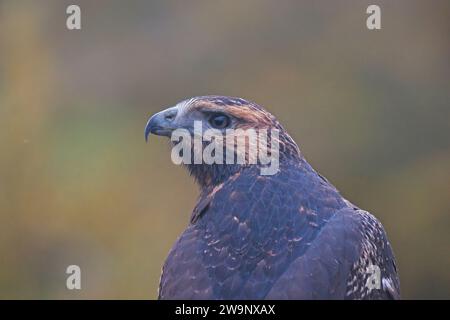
[[78, 184]]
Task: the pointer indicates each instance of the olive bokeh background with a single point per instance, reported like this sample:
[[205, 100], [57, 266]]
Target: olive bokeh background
[[79, 185]]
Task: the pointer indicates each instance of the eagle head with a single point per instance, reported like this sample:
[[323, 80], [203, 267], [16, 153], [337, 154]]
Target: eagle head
[[230, 118]]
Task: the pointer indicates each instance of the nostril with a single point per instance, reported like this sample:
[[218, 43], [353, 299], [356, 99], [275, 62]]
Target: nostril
[[169, 116]]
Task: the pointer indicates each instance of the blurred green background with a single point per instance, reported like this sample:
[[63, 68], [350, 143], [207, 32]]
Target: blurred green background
[[78, 185]]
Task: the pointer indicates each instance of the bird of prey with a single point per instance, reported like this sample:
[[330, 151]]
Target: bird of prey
[[289, 235]]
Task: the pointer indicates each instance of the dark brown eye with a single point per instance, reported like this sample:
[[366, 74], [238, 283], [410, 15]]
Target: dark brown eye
[[219, 121]]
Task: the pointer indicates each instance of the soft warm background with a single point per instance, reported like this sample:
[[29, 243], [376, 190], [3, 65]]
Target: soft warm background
[[78, 184]]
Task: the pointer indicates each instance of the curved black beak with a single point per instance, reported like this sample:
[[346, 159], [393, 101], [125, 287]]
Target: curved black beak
[[161, 123]]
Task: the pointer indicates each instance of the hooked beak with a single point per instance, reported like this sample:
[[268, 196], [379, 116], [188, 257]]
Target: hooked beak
[[161, 123]]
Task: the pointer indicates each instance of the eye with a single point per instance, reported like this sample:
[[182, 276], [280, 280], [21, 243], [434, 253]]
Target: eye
[[219, 121]]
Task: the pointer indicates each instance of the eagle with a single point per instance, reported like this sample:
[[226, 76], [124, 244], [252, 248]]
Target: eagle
[[286, 235]]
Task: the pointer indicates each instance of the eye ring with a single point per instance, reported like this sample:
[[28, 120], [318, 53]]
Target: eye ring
[[219, 121]]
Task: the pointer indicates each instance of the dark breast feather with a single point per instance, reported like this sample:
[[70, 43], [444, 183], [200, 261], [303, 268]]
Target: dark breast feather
[[288, 236]]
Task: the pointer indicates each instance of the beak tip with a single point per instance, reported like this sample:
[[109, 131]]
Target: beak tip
[[146, 132]]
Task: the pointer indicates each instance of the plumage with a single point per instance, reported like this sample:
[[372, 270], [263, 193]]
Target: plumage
[[290, 235]]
